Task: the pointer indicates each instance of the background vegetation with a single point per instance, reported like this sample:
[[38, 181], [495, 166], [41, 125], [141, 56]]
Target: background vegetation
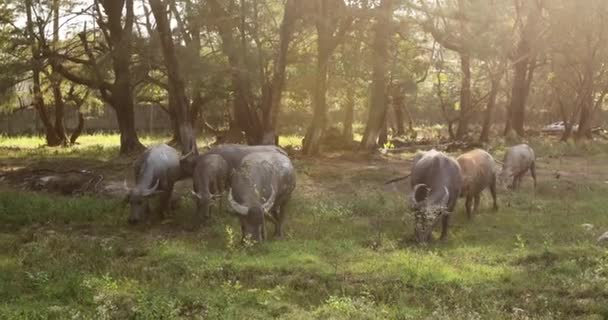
[[322, 69]]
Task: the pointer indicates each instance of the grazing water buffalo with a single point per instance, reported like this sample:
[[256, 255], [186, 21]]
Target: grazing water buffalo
[[518, 160], [436, 184], [478, 173], [260, 188], [209, 179], [156, 171]]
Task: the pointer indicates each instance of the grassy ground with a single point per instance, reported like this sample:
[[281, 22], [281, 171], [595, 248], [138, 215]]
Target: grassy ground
[[346, 256]]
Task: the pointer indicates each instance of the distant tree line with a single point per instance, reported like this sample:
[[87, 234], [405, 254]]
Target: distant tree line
[[233, 67]]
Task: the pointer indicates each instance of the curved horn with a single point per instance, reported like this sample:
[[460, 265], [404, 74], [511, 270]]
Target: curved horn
[[196, 195], [416, 187], [151, 190], [270, 202], [240, 209], [187, 155], [446, 197]]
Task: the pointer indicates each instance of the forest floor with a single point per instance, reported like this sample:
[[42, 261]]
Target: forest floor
[[347, 253]]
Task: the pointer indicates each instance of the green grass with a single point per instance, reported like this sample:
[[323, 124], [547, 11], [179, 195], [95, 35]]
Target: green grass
[[347, 255]]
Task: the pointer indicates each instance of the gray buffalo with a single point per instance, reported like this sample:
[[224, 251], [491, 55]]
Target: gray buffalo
[[478, 173], [215, 165], [260, 189], [436, 184], [156, 171], [210, 179], [518, 161], [232, 153]]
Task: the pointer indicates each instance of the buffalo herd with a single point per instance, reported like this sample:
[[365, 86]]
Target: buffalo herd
[[259, 181]]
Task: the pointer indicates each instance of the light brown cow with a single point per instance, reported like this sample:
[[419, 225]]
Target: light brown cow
[[478, 173]]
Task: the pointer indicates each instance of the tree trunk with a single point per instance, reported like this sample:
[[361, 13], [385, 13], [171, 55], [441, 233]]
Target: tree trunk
[[246, 117], [523, 72], [129, 141], [314, 135], [567, 132], [59, 111], [465, 96], [378, 105], [122, 94], [519, 93], [584, 122], [349, 114], [271, 111], [312, 141], [398, 100], [408, 113], [383, 137], [177, 87], [79, 128], [586, 107], [36, 66], [56, 82], [487, 118]]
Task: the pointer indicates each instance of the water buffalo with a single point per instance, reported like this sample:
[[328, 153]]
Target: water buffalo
[[156, 171], [232, 153], [436, 184], [210, 179], [517, 161], [260, 188], [478, 173]]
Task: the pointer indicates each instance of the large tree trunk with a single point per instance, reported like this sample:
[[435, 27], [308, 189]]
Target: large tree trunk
[[465, 96], [383, 137], [122, 94], [398, 99], [314, 135], [519, 95], [487, 118], [59, 111], [123, 105], [177, 87], [378, 105], [246, 117], [523, 71], [271, 111], [325, 29]]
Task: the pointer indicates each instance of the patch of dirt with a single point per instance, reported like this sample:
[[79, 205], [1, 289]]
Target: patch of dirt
[[333, 173]]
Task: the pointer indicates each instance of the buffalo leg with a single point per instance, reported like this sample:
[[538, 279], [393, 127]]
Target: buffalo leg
[[165, 201], [533, 172], [476, 204], [203, 219], [516, 182], [519, 179], [493, 191], [277, 213], [467, 206], [445, 222]]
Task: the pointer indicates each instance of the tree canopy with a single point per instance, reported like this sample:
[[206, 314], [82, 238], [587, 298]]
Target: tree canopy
[[263, 68]]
